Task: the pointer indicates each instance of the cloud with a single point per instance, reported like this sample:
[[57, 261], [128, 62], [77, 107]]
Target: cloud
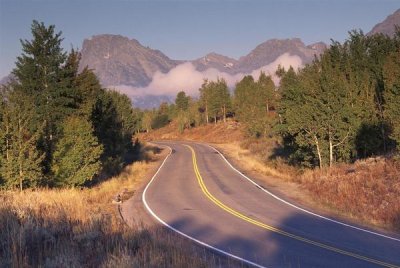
[[185, 77]]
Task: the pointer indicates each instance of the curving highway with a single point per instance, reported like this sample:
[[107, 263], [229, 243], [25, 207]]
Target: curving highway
[[198, 194]]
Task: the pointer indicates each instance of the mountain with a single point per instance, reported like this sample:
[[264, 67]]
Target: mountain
[[268, 51], [216, 61], [7, 79], [117, 60], [387, 26]]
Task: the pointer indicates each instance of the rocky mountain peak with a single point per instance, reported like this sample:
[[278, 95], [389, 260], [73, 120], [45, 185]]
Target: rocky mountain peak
[[118, 60], [388, 26]]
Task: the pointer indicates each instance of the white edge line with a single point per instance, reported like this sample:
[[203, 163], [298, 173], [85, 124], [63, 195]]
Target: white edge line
[[181, 233], [299, 208]]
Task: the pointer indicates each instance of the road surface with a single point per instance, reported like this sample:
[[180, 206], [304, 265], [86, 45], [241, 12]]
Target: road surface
[[198, 194]]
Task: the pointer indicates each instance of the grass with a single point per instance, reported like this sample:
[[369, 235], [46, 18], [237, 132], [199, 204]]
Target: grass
[[81, 227], [368, 190]]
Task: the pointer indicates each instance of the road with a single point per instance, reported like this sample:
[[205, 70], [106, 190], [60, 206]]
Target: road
[[198, 194]]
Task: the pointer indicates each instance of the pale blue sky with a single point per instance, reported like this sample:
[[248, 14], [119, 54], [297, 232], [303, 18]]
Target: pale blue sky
[[188, 29]]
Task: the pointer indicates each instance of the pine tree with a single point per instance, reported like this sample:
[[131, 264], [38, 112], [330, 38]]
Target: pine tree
[[77, 155], [89, 88], [40, 75], [182, 101], [108, 128]]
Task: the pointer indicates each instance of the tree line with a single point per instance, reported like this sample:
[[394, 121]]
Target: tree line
[[343, 106], [58, 126]]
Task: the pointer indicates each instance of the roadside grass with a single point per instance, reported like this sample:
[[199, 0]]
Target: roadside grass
[[367, 191], [81, 227]]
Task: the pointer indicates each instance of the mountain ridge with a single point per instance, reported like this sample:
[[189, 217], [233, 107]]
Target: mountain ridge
[[388, 25], [118, 60]]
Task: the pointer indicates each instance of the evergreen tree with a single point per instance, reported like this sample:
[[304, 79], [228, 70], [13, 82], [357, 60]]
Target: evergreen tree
[[89, 88], [40, 75], [108, 128], [77, 155], [182, 101]]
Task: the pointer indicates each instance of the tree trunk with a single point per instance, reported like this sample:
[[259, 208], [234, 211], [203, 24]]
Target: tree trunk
[[20, 153], [330, 151], [206, 113], [224, 112], [7, 143], [318, 151]]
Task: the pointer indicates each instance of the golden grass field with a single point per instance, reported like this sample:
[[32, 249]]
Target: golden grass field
[[82, 228]]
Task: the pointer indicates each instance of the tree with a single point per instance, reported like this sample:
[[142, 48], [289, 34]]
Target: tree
[[108, 128], [77, 155], [205, 97], [40, 75], [21, 162], [147, 120], [267, 91], [391, 76], [253, 100], [220, 100], [89, 88], [182, 101]]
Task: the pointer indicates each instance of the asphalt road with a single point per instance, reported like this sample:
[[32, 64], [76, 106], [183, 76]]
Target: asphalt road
[[198, 194]]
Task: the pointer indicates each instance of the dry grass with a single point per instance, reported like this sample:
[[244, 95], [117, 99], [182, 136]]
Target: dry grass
[[368, 190], [214, 133], [253, 161], [75, 228]]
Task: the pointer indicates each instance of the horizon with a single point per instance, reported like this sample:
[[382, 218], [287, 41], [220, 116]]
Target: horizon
[[229, 28]]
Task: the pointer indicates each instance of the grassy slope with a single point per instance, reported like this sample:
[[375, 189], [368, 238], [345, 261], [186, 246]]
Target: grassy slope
[[366, 192], [75, 228]]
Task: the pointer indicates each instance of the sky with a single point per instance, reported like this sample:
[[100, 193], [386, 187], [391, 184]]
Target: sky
[[188, 29]]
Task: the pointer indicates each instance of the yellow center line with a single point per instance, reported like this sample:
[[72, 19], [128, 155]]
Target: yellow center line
[[274, 229]]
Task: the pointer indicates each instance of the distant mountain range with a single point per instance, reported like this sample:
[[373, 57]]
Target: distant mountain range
[[120, 61]]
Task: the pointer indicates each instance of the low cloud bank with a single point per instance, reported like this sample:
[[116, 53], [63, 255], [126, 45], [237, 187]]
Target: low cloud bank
[[185, 77]]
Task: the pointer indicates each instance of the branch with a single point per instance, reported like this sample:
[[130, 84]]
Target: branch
[[337, 144]]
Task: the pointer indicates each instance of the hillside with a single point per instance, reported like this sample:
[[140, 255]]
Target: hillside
[[231, 132]]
